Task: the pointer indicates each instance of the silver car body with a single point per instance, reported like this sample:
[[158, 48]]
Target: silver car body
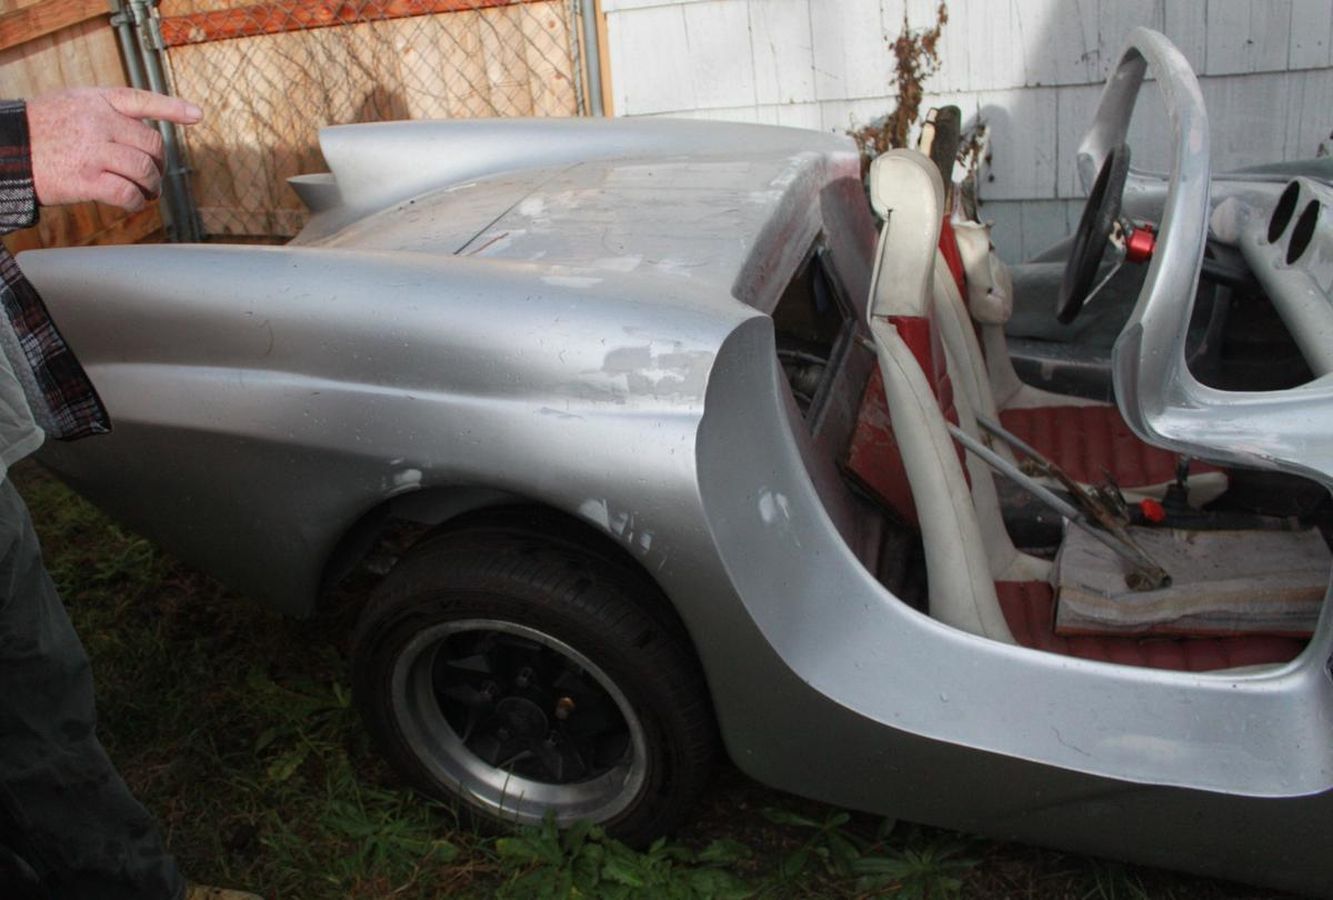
[[575, 315]]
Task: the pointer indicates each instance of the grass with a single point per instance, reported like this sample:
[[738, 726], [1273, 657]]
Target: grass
[[235, 726]]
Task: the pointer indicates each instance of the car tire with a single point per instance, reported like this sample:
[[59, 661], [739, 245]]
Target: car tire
[[518, 676]]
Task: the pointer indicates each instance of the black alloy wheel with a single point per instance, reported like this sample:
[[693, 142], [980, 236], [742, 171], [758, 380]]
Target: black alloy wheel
[[519, 675]]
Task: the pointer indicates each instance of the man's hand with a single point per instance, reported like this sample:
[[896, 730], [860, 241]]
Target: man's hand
[[89, 144]]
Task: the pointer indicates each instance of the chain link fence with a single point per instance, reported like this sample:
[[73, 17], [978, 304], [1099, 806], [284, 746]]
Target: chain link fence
[[271, 74]]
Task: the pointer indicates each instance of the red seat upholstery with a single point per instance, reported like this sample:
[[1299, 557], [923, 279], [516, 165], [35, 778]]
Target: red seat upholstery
[[1029, 609], [873, 457], [1084, 439]]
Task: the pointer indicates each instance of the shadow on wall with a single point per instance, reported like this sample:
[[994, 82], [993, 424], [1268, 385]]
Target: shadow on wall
[[240, 182], [1022, 227]]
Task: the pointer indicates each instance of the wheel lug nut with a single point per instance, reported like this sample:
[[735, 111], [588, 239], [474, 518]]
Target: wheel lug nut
[[524, 677], [563, 707]]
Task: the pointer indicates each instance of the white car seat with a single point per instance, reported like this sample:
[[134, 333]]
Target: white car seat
[[977, 581]]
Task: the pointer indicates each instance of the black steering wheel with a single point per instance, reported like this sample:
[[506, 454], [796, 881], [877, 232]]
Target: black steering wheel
[[1094, 231]]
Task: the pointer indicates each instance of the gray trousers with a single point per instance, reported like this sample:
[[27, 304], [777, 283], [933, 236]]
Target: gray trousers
[[67, 818]]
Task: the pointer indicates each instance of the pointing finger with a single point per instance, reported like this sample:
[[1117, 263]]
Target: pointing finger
[[146, 105]]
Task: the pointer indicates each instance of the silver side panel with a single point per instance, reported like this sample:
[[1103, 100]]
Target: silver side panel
[[264, 399]]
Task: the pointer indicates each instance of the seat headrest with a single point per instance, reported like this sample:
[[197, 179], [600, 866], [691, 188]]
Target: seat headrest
[[907, 192]]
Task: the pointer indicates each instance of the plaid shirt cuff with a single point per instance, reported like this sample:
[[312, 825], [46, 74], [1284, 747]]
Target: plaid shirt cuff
[[18, 199], [62, 399]]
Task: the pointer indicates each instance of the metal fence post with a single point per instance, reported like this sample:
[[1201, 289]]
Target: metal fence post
[[123, 22], [179, 215], [592, 62]]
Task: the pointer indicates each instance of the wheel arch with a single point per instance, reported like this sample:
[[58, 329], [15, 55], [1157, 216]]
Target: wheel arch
[[430, 507], [444, 509]]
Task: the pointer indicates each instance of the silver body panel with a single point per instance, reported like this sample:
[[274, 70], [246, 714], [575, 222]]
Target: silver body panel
[[572, 314]]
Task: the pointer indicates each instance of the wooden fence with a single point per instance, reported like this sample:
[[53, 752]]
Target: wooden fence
[[270, 74], [46, 45]]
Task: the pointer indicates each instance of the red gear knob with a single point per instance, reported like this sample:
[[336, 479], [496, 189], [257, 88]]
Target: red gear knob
[[1140, 244]]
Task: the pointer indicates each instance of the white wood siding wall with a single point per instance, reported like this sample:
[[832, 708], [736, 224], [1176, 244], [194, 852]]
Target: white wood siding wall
[[1032, 69]]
